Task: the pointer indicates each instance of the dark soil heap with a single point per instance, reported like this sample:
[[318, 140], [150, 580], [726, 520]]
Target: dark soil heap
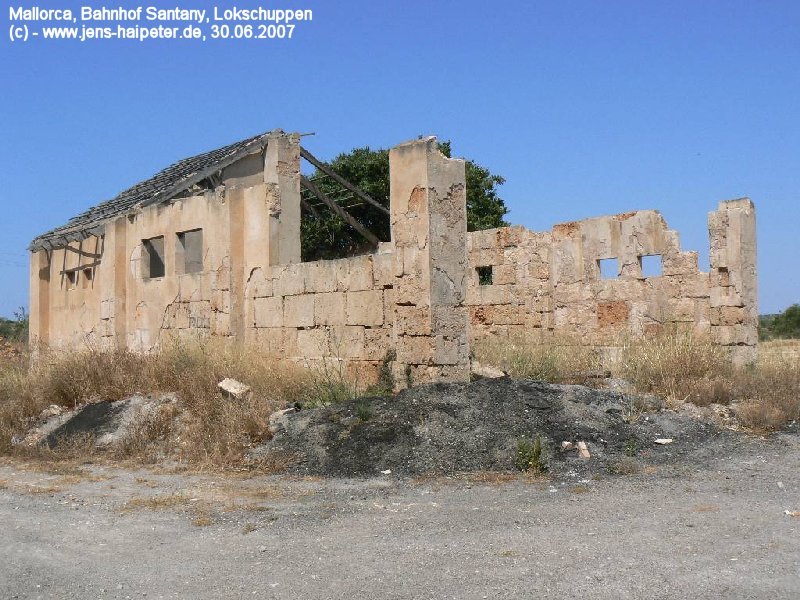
[[450, 428]]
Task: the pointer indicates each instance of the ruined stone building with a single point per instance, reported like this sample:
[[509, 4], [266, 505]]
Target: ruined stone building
[[210, 247]]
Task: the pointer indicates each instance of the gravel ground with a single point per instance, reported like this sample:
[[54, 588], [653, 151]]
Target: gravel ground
[[710, 528]]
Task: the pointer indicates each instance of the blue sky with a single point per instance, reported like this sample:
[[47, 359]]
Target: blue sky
[[587, 108]]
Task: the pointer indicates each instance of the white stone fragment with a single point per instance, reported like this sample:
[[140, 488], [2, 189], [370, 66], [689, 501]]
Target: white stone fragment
[[583, 450], [486, 371], [234, 389]]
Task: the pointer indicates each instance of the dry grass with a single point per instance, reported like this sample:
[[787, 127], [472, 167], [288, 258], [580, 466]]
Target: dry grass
[[202, 517], [204, 431], [769, 392], [675, 366], [42, 489], [625, 466], [71, 453], [678, 367], [559, 361], [162, 502], [47, 487], [209, 433], [681, 368], [249, 528], [684, 369], [64, 468], [780, 349], [83, 477], [437, 481], [491, 477]]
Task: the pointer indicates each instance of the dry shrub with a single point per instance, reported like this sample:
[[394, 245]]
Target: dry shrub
[[679, 367], [202, 517], [67, 454], [219, 432], [491, 477], [625, 466], [17, 403], [769, 392], [676, 366], [331, 383], [155, 502], [781, 349], [149, 436], [683, 368], [555, 361], [64, 379]]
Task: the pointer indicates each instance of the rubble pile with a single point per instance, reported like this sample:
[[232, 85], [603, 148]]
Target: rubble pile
[[484, 426]]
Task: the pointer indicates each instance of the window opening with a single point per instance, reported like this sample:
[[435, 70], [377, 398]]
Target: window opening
[[88, 274], [651, 265], [608, 267], [189, 252], [153, 259]]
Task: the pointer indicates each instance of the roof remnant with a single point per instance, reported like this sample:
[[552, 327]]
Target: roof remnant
[[182, 176], [162, 187]]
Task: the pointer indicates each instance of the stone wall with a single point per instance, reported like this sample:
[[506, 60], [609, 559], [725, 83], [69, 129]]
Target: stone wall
[[337, 309], [405, 302], [554, 287], [247, 284], [225, 263], [429, 227]]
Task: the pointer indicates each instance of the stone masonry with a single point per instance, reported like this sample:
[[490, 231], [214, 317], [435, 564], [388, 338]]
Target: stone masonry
[[549, 286], [429, 228], [210, 247]]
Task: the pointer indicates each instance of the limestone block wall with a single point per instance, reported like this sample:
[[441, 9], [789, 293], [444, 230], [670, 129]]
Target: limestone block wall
[[405, 303], [68, 299], [508, 291], [733, 279], [119, 303], [554, 285], [225, 263], [336, 309], [429, 227]]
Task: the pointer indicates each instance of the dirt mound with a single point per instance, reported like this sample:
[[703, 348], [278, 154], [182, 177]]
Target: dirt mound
[[106, 422], [449, 428]]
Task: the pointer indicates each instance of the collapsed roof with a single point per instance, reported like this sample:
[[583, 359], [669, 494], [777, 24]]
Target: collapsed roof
[[161, 187]]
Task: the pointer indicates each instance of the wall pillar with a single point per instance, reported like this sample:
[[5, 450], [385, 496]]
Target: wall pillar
[[429, 228], [282, 179], [39, 298], [122, 272], [733, 279], [264, 222]]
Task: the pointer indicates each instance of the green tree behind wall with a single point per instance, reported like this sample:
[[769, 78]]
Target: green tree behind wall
[[16, 329], [327, 236], [781, 326]]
